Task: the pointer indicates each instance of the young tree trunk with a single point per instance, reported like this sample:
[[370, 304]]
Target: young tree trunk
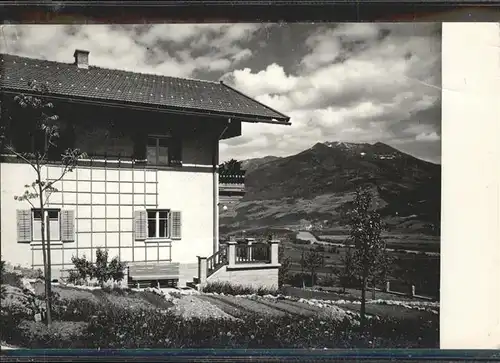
[[363, 303], [46, 255], [49, 277]]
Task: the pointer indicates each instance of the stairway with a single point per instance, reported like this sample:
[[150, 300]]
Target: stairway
[[214, 263], [192, 284]]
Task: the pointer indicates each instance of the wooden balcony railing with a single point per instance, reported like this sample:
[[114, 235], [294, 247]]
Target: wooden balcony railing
[[232, 178]]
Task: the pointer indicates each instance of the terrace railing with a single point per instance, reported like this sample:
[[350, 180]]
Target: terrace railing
[[235, 255], [253, 253]]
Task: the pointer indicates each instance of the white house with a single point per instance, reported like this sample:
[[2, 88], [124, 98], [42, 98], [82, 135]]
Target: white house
[[149, 191]]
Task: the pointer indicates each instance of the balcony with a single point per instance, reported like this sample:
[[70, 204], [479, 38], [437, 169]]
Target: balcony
[[231, 185]]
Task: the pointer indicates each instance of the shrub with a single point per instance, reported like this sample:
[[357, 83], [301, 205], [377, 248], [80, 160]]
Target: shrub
[[101, 270], [119, 328], [233, 289], [319, 248], [300, 279], [75, 309], [327, 280], [12, 279], [10, 318], [75, 278], [61, 334], [84, 268], [2, 271]]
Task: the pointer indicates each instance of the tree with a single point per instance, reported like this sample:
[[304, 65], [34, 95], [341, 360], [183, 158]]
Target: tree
[[35, 113], [311, 261], [230, 167], [286, 264], [370, 260], [346, 274], [2, 271]]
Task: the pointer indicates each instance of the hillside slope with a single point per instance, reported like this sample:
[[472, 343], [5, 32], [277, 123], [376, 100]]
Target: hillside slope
[[317, 185]]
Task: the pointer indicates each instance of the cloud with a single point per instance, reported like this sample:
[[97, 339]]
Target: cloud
[[347, 82], [168, 49], [431, 136], [355, 82], [271, 80]]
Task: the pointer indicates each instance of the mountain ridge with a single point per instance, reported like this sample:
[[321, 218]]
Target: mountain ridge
[[316, 185]]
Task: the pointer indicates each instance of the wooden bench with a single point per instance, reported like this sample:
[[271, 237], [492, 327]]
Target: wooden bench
[[154, 275]]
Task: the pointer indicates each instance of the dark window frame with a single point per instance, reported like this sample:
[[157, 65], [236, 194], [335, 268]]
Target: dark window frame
[[157, 218], [35, 217], [174, 150]]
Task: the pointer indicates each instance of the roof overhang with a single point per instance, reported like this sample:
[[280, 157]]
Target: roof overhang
[[285, 120]]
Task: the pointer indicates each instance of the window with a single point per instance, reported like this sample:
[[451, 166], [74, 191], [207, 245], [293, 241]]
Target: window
[[54, 224], [161, 150], [158, 223], [157, 151], [155, 223]]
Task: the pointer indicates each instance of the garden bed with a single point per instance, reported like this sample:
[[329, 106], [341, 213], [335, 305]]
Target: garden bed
[[96, 318], [190, 307], [250, 305]]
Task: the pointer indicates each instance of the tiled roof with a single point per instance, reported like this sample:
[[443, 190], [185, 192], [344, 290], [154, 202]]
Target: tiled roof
[[111, 85]]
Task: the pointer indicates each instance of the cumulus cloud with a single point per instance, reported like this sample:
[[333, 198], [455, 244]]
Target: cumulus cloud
[[355, 82], [169, 49], [346, 82]]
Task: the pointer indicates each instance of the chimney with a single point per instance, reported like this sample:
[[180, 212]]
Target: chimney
[[81, 58]]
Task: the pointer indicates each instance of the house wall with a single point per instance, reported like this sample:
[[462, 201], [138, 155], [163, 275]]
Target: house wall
[[104, 200], [254, 277]]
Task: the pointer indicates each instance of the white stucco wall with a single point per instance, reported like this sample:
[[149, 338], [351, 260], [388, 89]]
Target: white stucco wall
[[104, 201]]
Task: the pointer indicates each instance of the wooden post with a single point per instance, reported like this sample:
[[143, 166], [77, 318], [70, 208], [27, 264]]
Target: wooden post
[[231, 252], [250, 251], [274, 251], [202, 270]]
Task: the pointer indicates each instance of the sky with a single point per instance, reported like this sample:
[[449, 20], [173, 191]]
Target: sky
[[359, 82]]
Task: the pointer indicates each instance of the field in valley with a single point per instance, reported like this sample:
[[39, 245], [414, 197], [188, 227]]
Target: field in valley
[[419, 253]]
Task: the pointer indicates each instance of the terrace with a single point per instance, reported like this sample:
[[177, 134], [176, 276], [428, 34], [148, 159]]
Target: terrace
[[252, 262]]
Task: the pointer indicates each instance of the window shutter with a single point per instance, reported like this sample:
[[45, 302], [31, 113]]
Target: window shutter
[[67, 225], [176, 225], [24, 226], [141, 227]]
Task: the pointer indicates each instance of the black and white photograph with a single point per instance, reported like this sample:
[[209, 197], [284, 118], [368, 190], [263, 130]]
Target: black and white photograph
[[244, 186]]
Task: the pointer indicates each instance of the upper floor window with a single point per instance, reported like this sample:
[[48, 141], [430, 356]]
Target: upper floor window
[[162, 150], [157, 150]]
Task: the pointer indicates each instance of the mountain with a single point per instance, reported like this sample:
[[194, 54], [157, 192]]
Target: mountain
[[317, 185], [251, 164]]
